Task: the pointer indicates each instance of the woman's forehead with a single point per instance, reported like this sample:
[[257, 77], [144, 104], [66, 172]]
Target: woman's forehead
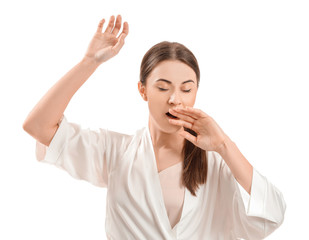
[[172, 72]]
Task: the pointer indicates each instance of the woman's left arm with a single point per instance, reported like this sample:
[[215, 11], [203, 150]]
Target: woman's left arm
[[238, 164], [257, 214], [211, 137]]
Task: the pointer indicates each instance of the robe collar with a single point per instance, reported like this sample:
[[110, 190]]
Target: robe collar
[[189, 199]]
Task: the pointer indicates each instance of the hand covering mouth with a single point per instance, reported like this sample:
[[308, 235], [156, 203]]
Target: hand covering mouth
[[170, 115]]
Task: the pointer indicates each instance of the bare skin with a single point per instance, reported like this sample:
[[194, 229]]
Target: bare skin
[[42, 122], [166, 141]]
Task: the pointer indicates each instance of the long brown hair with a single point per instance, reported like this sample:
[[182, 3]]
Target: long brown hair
[[195, 158]]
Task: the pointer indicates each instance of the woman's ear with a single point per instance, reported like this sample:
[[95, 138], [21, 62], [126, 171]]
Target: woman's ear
[[142, 90]]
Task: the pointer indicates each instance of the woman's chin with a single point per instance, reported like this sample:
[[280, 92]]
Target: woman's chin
[[167, 126], [173, 127]]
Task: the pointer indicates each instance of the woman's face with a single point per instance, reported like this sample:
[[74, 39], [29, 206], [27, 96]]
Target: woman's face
[[171, 83]]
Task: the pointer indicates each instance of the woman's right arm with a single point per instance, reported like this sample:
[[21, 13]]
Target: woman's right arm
[[42, 122]]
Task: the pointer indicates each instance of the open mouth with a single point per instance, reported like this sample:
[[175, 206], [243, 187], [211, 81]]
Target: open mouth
[[171, 116]]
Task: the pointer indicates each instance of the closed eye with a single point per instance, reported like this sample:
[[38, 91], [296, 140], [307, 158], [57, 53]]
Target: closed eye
[[163, 89]]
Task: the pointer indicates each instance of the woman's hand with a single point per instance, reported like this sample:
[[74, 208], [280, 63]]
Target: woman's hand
[[210, 136], [104, 46]]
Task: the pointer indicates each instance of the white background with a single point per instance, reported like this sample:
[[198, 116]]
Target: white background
[[253, 57]]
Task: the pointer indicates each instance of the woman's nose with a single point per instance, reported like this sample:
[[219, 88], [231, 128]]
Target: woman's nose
[[174, 99]]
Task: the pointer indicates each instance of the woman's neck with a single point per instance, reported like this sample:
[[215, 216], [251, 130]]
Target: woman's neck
[[165, 140]]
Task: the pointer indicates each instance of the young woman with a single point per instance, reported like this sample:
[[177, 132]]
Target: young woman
[[179, 177]]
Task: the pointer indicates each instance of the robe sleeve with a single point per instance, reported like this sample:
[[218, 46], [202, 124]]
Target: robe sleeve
[[80, 152], [254, 216]]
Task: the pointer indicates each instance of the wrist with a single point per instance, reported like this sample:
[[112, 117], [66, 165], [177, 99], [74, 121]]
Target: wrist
[[91, 62], [223, 147]]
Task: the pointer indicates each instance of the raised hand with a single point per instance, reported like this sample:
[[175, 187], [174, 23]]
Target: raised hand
[[105, 45], [210, 136]]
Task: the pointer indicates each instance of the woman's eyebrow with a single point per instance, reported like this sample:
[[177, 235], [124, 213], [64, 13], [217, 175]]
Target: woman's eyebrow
[[169, 82]]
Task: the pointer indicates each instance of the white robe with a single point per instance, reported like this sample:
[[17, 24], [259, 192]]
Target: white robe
[[126, 166]]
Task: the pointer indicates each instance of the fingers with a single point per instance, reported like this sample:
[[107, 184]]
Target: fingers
[[182, 116], [194, 112], [110, 27], [181, 123], [189, 136], [120, 43], [100, 26], [185, 124], [117, 25], [122, 36], [125, 28], [110, 24]]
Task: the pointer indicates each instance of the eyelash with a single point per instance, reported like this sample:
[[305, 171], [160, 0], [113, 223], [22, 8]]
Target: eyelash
[[162, 89]]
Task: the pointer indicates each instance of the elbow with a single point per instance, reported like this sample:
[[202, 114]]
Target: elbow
[[42, 135], [27, 128], [28, 124]]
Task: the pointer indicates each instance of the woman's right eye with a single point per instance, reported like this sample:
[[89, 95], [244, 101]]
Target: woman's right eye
[[162, 89]]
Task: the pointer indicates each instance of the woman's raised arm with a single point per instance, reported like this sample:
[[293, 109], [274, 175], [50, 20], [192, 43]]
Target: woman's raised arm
[[42, 122]]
